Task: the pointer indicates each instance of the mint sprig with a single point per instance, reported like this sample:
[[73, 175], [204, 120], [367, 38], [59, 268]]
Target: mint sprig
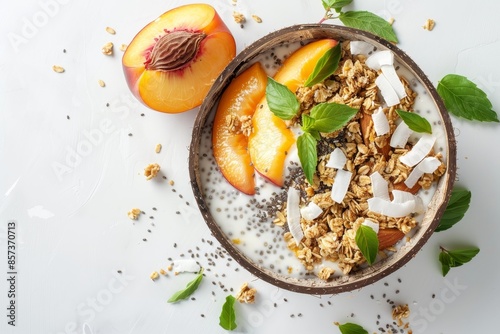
[[464, 99], [227, 318], [456, 258], [323, 117], [367, 241], [326, 66], [414, 121], [456, 208], [362, 20], [350, 328]]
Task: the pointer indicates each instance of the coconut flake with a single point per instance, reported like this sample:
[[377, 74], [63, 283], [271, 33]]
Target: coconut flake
[[418, 151], [400, 136], [340, 185], [293, 214], [379, 59], [380, 122], [427, 165], [380, 186], [388, 93], [311, 211], [390, 74], [370, 223], [360, 48], [400, 196], [337, 159], [391, 209], [186, 266]]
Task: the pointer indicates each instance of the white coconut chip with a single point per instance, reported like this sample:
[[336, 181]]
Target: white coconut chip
[[380, 186], [340, 185], [293, 215], [370, 223], [388, 93], [390, 74], [400, 196], [337, 159], [400, 136], [427, 165], [360, 48], [311, 211], [186, 266], [391, 209], [380, 122], [418, 151], [379, 59]]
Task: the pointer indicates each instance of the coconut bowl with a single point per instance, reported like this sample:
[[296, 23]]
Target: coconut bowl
[[231, 216]]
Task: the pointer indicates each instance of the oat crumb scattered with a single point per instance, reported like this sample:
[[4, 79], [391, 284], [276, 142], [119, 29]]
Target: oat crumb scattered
[[171, 182], [169, 268], [238, 17], [110, 30], [151, 171], [234, 2], [154, 275], [58, 69], [107, 49], [163, 272], [123, 47], [399, 313], [134, 213], [158, 148], [429, 24], [391, 21], [256, 18], [101, 83], [246, 294]]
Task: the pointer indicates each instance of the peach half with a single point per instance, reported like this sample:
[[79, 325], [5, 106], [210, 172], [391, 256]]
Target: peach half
[[173, 61]]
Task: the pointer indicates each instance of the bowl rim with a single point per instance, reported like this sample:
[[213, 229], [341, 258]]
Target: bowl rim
[[242, 61]]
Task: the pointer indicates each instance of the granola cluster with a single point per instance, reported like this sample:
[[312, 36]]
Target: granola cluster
[[331, 236]]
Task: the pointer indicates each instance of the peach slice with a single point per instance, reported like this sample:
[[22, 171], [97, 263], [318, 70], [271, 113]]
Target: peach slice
[[172, 62], [271, 139], [230, 144]]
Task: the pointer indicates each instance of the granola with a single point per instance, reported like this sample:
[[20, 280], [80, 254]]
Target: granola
[[246, 294], [331, 236]]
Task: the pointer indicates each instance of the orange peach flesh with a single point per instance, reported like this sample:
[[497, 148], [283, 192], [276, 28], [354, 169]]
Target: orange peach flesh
[[184, 89], [230, 148]]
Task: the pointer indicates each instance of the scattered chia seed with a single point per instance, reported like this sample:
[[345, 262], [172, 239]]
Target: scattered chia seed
[[130, 134], [119, 271], [67, 116], [144, 239]]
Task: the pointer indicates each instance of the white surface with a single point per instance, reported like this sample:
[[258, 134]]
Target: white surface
[[73, 233]]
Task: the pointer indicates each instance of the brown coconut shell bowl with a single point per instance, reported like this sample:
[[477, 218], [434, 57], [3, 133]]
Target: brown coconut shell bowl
[[205, 190]]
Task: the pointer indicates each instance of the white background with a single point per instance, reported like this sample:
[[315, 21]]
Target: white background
[[72, 231]]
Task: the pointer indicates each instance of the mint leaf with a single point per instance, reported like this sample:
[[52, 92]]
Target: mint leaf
[[188, 291], [456, 258], [463, 255], [326, 66], [330, 117], [350, 328], [228, 316], [335, 4], [369, 22], [281, 100], [446, 262], [367, 241], [308, 155], [307, 123], [414, 121], [464, 99], [456, 209]]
